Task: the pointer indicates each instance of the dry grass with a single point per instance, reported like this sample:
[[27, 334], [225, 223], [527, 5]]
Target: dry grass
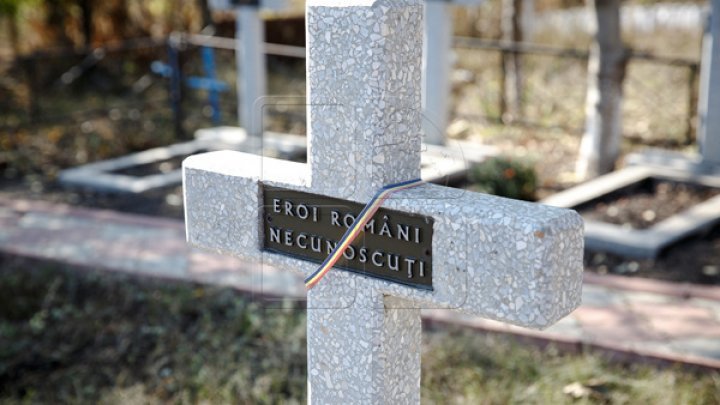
[[72, 336]]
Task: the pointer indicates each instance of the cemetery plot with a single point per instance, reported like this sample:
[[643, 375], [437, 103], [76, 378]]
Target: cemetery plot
[[695, 260], [647, 202], [160, 167], [681, 204], [136, 173]]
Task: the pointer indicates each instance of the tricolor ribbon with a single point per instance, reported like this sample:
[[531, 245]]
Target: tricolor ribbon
[[352, 233]]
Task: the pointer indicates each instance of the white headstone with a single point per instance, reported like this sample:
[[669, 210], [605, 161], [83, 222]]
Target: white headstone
[[501, 259], [709, 101]]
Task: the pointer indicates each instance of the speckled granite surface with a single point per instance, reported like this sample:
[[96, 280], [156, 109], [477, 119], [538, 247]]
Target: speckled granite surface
[[501, 259]]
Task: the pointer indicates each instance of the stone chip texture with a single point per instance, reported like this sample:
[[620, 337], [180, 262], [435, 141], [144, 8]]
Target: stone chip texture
[[502, 259]]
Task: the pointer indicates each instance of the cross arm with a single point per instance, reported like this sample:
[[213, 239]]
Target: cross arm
[[223, 201], [502, 259]]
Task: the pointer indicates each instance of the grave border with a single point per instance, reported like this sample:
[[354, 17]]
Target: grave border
[[641, 243], [99, 176], [443, 164]]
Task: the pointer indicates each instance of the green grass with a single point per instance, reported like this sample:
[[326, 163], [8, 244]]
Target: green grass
[[73, 336]]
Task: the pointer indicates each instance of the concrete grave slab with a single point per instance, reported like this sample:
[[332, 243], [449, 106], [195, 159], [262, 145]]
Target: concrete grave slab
[[693, 164], [440, 164], [108, 176], [104, 176], [271, 144]]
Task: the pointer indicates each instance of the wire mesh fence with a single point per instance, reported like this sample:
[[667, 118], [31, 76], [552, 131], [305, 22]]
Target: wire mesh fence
[[151, 92], [660, 93]]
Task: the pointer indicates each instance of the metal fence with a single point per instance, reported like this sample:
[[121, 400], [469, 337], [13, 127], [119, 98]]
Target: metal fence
[[660, 93], [143, 76], [148, 77]]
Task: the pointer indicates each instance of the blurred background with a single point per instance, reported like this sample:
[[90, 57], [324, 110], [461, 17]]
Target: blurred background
[[89, 81]]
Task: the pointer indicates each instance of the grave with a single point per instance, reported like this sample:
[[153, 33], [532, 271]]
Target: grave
[[702, 170], [210, 82], [428, 246], [112, 175], [640, 243], [442, 161]]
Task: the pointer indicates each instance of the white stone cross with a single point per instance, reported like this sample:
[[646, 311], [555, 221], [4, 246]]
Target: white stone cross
[[497, 258]]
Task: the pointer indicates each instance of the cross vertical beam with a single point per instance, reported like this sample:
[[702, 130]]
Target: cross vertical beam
[[501, 259], [367, 352], [364, 62], [364, 90]]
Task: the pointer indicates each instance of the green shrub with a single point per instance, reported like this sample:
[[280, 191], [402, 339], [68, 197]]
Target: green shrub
[[505, 177]]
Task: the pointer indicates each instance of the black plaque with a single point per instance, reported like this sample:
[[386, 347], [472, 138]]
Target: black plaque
[[394, 246]]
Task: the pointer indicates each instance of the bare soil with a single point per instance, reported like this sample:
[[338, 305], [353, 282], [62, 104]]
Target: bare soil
[[694, 260]]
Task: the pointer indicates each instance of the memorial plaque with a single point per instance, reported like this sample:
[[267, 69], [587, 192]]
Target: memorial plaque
[[394, 246]]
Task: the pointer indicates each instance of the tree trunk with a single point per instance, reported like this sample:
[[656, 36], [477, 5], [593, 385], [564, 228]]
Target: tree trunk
[[86, 10], [512, 32], [13, 34], [55, 24], [207, 22], [606, 70]]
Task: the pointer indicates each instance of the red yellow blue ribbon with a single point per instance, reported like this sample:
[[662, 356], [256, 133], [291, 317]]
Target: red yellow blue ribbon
[[352, 233]]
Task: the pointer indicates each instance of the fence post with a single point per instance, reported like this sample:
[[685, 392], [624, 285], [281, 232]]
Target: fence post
[[208, 60], [176, 83], [512, 32], [33, 108], [692, 104], [502, 100]]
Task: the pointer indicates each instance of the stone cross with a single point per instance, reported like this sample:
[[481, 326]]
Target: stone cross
[[497, 258]]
